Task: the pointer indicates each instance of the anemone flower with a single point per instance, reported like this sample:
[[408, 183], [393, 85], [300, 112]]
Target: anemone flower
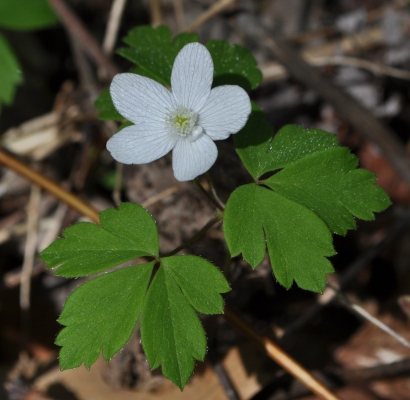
[[186, 120]]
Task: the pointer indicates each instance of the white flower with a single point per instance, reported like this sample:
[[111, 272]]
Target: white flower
[[187, 120]]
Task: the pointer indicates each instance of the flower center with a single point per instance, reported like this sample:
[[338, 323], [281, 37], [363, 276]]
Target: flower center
[[183, 122]]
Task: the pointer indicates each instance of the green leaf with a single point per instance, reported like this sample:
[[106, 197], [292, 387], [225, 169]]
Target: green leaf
[[262, 152], [101, 315], [200, 282], [234, 65], [171, 332], [26, 14], [253, 143], [298, 240], [10, 72], [123, 235], [106, 107], [329, 184], [154, 51]]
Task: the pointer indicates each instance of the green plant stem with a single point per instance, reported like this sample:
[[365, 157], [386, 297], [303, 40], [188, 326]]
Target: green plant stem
[[216, 218], [210, 196], [213, 191]]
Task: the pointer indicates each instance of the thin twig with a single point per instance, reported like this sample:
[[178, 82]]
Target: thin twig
[[113, 26], [83, 66], [13, 278], [215, 9], [382, 371], [273, 71], [217, 218], [367, 316], [29, 254], [47, 184], [162, 195], [278, 355], [210, 197], [222, 375], [54, 227], [83, 37], [156, 12], [179, 14]]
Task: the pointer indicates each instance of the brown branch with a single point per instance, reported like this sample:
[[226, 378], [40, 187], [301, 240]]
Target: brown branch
[[88, 44], [278, 355], [215, 9], [47, 184], [29, 254], [273, 71], [113, 26], [179, 14], [156, 12]]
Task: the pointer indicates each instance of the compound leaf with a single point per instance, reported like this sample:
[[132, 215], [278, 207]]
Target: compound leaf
[[298, 240], [328, 183], [154, 51], [87, 248], [171, 332], [234, 65], [101, 315]]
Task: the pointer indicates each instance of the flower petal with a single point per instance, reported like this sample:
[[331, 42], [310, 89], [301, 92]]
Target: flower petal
[[140, 99], [192, 76], [190, 159], [141, 144], [226, 112]]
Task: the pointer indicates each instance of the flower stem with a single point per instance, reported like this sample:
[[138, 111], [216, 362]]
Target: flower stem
[[215, 201], [213, 191]]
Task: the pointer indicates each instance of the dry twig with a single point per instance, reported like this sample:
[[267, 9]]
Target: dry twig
[[179, 14], [77, 29], [278, 355], [156, 12], [160, 196], [215, 9], [113, 26], [368, 317], [47, 184], [273, 71], [29, 254]]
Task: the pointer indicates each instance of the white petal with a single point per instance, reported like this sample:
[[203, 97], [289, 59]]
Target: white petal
[[192, 76], [190, 159], [141, 144], [226, 112], [140, 99]]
